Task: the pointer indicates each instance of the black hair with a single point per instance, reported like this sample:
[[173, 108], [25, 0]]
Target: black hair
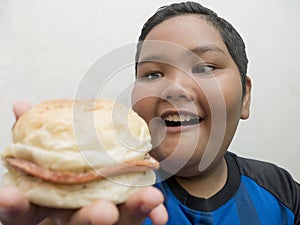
[[230, 36]]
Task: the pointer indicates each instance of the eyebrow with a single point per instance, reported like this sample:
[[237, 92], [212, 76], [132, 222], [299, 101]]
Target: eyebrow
[[207, 48], [199, 50], [153, 58]]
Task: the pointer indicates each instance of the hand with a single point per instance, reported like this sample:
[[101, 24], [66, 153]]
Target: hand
[[16, 209]]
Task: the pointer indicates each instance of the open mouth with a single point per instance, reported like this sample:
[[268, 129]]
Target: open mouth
[[181, 119]]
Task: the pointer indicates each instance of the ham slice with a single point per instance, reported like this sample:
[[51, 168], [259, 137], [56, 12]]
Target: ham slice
[[68, 177]]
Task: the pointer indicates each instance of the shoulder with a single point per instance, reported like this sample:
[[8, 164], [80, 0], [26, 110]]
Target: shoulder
[[264, 173], [273, 178]]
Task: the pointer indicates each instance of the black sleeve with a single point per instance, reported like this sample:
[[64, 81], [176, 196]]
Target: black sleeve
[[297, 204]]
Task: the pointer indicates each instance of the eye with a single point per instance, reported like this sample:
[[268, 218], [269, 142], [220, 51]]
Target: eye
[[203, 68], [153, 75]]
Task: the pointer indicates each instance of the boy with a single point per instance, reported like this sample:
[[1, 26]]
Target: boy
[[202, 75], [192, 90]]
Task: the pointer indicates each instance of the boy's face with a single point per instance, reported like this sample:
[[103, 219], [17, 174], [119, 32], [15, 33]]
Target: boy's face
[[186, 73]]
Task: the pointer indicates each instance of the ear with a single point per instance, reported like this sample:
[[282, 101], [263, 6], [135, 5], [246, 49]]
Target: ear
[[246, 100]]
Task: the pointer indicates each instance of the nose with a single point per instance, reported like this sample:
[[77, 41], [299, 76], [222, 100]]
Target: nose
[[177, 89]]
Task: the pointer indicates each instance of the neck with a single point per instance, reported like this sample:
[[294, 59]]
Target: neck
[[208, 184]]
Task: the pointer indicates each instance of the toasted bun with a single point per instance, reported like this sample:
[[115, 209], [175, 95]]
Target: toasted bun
[[79, 136]]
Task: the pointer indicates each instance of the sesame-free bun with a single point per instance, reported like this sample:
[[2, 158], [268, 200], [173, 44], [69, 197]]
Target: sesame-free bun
[[67, 153]]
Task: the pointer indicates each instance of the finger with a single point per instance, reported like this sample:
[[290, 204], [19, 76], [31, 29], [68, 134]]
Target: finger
[[140, 205], [16, 209], [20, 108], [159, 215], [99, 213]]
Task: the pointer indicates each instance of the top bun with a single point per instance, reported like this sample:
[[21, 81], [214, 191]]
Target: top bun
[[75, 135]]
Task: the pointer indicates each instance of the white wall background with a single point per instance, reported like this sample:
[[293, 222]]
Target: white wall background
[[47, 46]]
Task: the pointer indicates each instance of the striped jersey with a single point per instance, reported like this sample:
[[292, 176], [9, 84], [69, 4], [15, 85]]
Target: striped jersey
[[255, 193]]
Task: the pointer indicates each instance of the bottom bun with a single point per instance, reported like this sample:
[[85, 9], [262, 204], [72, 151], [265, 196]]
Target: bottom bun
[[115, 189]]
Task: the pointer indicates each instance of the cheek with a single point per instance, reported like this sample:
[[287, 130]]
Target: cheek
[[223, 103], [229, 108], [142, 108], [223, 96], [233, 98], [145, 97], [142, 102]]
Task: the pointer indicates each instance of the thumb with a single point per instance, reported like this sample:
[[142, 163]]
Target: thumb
[[20, 108]]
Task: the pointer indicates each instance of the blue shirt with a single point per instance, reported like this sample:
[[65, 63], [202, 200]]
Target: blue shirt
[[256, 193]]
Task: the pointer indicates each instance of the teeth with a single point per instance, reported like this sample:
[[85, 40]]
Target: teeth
[[188, 117], [181, 118], [176, 118]]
